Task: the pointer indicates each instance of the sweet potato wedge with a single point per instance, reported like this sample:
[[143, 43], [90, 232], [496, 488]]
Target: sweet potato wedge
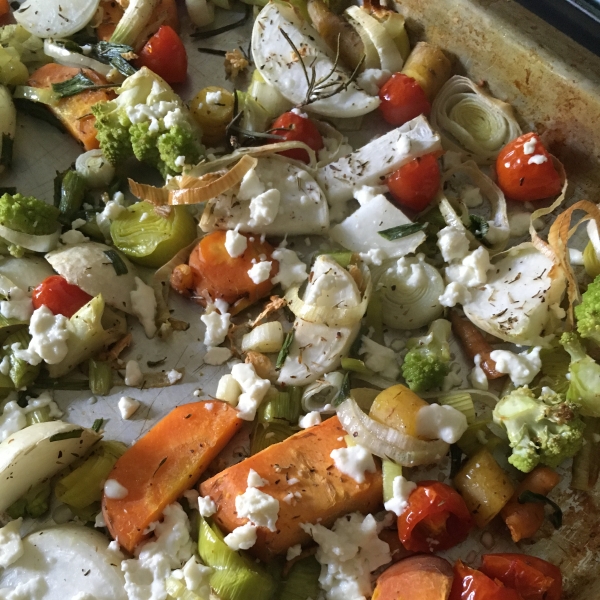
[[164, 463], [324, 493], [74, 112]]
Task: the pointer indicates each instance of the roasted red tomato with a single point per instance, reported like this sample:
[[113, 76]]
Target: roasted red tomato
[[402, 99], [415, 184], [213, 273], [436, 518], [470, 584], [59, 296], [296, 128], [165, 54], [533, 578], [525, 170]]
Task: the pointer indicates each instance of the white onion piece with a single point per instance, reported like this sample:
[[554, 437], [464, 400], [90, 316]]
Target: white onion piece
[[94, 168], [471, 121], [35, 243], [320, 394], [370, 51], [385, 442], [55, 18], [73, 59], [201, 12]]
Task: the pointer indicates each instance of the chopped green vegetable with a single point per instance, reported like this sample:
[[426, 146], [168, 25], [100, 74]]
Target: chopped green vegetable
[[479, 226], [114, 54], [555, 517], [34, 503], [28, 215], [280, 405], [101, 377], [302, 582], [21, 372], [97, 426], [390, 471], [355, 365], [397, 233], [285, 349], [266, 434], [72, 193], [344, 390], [66, 435], [117, 262], [77, 84]]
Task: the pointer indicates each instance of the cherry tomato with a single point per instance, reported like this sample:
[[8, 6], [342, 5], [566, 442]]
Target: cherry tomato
[[533, 578], [402, 99], [61, 297], [165, 54], [525, 170], [294, 127], [415, 184], [219, 275], [436, 518], [470, 584]]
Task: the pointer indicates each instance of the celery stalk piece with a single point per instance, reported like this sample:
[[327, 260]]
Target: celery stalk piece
[[235, 577], [21, 373], [149, 238], [461, 401], [133, 22], [390, 470], [34, 503], [302, 582], [101, 377]]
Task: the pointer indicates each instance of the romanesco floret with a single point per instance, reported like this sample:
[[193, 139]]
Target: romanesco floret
[[543, 430], [587, 313], [28, 215], [584, 386], [149, 121], [428, 359]]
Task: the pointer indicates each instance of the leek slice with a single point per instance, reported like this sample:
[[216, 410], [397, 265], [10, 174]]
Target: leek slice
[[390, 471], [21, 372], [302, 583], [148, 237], [267, 434], [280, 405], [471, 121], [235, 577]]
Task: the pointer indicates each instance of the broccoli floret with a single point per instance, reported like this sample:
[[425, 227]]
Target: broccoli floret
[[543, 430], [28, 215], [428, 359], [587, 313], [584, 372], [149, 121]]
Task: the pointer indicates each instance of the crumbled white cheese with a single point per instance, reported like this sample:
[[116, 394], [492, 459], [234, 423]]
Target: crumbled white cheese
[[260, 271], [453, 243], [133, 375], [11, 546], [293, 552], [206, 506], [33, 589], [143, 305], [251, 186], [477, 376], [264, 208], [354, 462], [217, 326], [49, 335], [235, 243], [310, 419], [72, 236], [375, 256], [332, 150], [214, 97], [437, 422], [255, 480], [196, 577], [471, 196], [261, 510], [298, 112], [401, 489], [217, 356], [522, 367], [128, 406], [180, 161], [537, 159], [254, 389], [349, 553], [114, 490], [14, 417], [472, 270], [5, 365], [371, 80], [529, 145], [380, 359], [455, 293], [575, 257], [241, 538], [173, 376], [18, 305], [292, 271]]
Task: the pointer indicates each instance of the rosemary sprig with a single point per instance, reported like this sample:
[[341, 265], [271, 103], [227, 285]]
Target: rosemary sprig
[[325, 87], [77, 84]]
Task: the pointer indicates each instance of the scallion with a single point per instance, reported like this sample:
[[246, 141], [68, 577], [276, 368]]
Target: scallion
[[401, 231], [302, 582], [285, 349], [101, 377], [117, 262]]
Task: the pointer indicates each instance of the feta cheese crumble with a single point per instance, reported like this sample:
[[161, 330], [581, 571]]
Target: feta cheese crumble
[[264, 208], [310, 419], [261, 510], [477, 376], [380, 359], [235, 243], [260, 271], [114, 490], [217, 326], [127, 406], [522, 367], [292, 271], [11, 546], [293, 552], [254, 389], [241, 538], [143, 305], [401, 489], [437, 422], [537, 159], [453, 243], [354, 462], [206, 506]]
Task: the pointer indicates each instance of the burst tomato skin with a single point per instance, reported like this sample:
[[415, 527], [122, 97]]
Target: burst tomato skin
[[415, 184], [532, 577], [470, 584], [59, 296], [296, 128], [402, 99], [436, 518], [525, 170], [220, 275], [165, 54]]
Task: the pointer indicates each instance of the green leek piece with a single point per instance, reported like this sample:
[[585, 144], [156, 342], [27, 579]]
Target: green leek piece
[[101, 377], [591, 261], [460, 401], [390, 471], [72, 193], [83, 485], [87, 514], [8, 326], [280, 405], [149, 238], [302, 582], [553, 374], [356, 366], [267, 434], [33, 504], [21, 373], [235, 577], [586, 463], [342, 258], [91, 228], [39, 415], [177, 589]]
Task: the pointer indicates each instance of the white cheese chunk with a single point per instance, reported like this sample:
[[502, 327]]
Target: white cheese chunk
[[235, 243], [354, 462], [263, 208], [217, 326], [18, 305], [293, 552], [260, 271], [128, 406], [242, 538], [437, 422], [114, 490], [401, 489], [292, 271], [11, 546], [143, 306], [472, 270], [453, 243], [477, 376], [521, 368], [455, 293], [378, 358], [250, 186], [254, 389], [206, 506], [310, 419]]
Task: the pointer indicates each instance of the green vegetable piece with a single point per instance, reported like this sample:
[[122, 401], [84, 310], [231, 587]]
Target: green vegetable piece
[[543, 430], [235, 577], [342, 258], [39, 415], [355, 365], [428, 359], [72, 193], [584, 383], [285, 349], [113, 54], [397, 233], [67, 435], [344, 390], [28, 215], [587, 313], [555, 517], [21, 373], [150, 238], [101, 377], [77, 84], [280, 405], [34, 503], [479, 226], [302, 582], [117, 262]]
